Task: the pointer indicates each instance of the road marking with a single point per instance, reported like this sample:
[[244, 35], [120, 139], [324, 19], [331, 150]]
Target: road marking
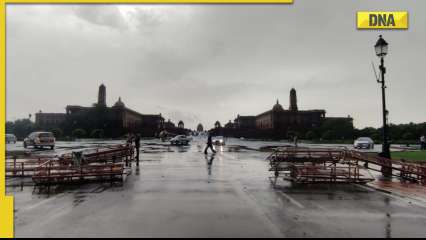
[[249, 199], [394, 195], [42, 202], [292, 200]]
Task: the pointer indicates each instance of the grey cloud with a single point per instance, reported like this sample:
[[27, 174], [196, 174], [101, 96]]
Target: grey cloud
[[103, 15], [146, 21], [212, 62]]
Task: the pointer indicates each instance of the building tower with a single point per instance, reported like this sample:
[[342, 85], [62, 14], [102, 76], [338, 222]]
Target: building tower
[[181, 125], [102, 95], [293, 100]]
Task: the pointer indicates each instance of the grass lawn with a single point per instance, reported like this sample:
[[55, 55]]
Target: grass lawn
[[415, 156]]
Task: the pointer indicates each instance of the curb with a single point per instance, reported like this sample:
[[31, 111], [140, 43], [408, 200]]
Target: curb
[[396, 194]]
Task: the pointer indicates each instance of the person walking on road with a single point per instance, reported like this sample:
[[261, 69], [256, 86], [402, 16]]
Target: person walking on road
[[296, 141], [423, 142], [137, 140], [129, 140], [209, 144]]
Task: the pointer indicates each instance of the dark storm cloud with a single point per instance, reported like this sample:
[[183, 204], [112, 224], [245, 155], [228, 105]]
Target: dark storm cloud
[[211, 62]]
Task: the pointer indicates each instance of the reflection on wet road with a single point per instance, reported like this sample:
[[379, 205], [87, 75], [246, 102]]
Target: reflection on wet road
[[181, 192]]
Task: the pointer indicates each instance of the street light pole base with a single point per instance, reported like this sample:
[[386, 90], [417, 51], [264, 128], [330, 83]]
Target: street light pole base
[[386, 170]]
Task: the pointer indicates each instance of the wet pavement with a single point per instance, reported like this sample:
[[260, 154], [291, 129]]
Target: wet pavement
[[180, 192]]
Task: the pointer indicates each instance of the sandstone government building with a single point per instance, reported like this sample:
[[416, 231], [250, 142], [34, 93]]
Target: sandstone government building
[[114, 121], [118, 120], [280, 123]]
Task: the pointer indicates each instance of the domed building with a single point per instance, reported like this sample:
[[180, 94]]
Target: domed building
[[116, 120], [277, 122], [181, 125], [280, 120]]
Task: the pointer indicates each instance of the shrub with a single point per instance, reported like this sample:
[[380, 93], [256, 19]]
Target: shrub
[[328, 135], [57, 132], [408, 136], [79, 133], [97, 133], [310, 135]]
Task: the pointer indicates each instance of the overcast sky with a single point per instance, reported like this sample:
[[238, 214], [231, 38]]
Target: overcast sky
[[202, 63]]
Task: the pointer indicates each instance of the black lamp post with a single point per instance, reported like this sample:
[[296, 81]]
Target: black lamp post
[[381, 48]]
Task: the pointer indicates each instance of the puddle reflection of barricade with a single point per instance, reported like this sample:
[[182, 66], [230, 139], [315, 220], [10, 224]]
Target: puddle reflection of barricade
[[311, 165], [104, 164]]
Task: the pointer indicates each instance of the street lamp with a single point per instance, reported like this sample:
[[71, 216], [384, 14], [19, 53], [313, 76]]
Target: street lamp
[[381, 48]]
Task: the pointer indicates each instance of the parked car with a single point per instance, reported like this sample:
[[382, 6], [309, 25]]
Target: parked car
[[219, 141], [364, 142], [10, 138], [40, 140], [180, 140]]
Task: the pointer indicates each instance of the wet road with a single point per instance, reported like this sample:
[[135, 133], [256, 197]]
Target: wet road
[[180, 192]]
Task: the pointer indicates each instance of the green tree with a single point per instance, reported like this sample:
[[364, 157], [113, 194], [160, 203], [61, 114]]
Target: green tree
[[97, 133], [310, 135], [408, 136], [79, 133], [21, 128], [10, 127], [342, 128], [291, 134], [376, 137], [328, 135], [57, 132]]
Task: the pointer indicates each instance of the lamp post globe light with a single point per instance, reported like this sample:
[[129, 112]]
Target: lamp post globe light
[[381, 49]]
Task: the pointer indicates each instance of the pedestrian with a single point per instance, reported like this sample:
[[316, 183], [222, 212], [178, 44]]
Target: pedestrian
[[296, 141], [137, 146], [209, 144], [129, 139], [423, 142]]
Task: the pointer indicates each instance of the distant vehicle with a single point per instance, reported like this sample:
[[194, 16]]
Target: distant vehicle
[[219, 141], [40, 140], [180, 140], [364, 142], [10, 138]]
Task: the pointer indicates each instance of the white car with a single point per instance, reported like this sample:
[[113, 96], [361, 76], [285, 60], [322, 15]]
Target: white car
[[364, 142], [40, 140], [218, 141], [180, 140], [10, 138]]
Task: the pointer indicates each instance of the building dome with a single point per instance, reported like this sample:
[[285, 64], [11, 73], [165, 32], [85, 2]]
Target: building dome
[[119, 103], [200, 128], [278, 107]]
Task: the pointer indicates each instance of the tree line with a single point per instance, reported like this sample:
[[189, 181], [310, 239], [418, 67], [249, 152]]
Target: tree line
[[330, 130], [336, 130]]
